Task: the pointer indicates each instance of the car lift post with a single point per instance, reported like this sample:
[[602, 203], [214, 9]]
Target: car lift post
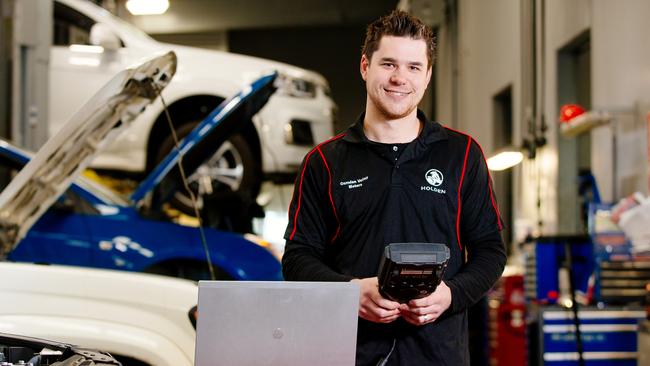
[[6, 10], [32, 38]]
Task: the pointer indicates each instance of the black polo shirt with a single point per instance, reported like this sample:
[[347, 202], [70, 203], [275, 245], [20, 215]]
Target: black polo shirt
[[353, 197]]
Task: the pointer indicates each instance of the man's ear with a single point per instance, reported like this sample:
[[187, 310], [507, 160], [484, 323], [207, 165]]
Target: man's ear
[[363, 66], [429, 74]]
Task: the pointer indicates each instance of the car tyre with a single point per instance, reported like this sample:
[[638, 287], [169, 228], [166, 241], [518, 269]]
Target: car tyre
[[232, 168]]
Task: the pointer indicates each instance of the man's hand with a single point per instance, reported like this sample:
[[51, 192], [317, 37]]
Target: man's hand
[[372, 306], [427, 309]]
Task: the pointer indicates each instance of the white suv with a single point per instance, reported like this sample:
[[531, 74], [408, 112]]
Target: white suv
[[90, 45]]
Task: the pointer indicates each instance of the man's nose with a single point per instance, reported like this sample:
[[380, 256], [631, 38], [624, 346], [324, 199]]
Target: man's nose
[[397, 78]]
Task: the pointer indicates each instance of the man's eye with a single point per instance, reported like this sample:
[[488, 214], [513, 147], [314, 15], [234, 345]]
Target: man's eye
[[415, 68]]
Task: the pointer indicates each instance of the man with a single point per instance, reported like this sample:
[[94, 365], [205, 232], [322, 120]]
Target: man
[[392, 177]]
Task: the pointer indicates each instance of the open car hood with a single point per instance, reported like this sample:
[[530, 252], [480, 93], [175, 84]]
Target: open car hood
[[203, 141], [39, 184]]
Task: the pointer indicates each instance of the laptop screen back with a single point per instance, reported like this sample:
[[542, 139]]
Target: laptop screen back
[[276, 323]]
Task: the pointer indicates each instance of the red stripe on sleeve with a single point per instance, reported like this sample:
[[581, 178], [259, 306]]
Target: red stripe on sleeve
[[302, 176], [494, 203], [460, 186], [329, 191]]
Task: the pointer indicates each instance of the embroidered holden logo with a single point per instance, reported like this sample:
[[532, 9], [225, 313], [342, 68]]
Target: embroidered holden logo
[[434, 177]]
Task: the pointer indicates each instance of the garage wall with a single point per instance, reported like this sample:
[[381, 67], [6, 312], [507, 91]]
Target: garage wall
[[487, 62], [621, 85], [444, 76], [490, 57], [621, 53], [565, 21], [6, 8]]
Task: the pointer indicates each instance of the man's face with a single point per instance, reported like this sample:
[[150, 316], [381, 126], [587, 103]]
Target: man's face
[[397, 76]]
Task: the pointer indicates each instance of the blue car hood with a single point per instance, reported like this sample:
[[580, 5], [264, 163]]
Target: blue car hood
[[203, 141], [39, 184]]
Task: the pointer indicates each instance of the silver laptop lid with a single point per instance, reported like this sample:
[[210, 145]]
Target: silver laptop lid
[[242, 323]]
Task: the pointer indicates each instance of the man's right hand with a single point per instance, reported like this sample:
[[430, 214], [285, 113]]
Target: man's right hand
[[372, 306]]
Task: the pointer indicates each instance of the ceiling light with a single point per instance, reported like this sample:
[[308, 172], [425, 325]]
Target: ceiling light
[[86, 48], [147, 7], [504, 159]]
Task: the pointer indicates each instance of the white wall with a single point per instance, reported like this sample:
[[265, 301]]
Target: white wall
[[444, 77], [565, 20], [621, 60], [488, 62], [490, 58], [621, 84], [489, 55]]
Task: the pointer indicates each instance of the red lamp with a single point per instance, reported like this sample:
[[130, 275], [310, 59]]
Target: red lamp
[[569, 112], [575, 120]]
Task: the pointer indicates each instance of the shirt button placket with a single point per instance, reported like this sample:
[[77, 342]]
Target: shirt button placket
[[396, 176]]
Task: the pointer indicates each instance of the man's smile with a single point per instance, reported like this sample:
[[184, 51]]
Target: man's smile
[[398, 93]]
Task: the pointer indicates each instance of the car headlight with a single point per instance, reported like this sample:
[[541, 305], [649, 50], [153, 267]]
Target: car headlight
[[295, 87]]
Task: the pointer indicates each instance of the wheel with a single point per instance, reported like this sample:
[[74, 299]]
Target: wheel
[[188, 269], [232, 168]]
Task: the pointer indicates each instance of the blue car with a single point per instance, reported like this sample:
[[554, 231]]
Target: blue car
[[50, 214]]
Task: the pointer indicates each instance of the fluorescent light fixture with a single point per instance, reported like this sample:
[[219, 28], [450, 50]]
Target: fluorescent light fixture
[[504, 159], [86, 48], [147, 7]]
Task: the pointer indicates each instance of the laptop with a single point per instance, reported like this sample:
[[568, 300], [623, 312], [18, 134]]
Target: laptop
[[242, 323]]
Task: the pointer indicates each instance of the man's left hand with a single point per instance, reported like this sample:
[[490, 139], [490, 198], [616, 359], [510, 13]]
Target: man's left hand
[[427, 309]]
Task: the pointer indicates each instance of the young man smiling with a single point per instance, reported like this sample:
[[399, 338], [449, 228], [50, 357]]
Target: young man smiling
[[394, 176]]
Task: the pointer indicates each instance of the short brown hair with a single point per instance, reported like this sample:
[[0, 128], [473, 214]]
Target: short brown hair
[[400, 24]]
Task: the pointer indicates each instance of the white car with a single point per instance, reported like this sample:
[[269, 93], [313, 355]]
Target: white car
[[90, 45], [141, 319], [135, 317]]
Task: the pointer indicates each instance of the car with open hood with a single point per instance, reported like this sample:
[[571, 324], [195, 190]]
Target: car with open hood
[[49, 214], [95, 317], [90, 44]]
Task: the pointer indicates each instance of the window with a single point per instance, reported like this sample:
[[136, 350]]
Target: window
[[70, 26]]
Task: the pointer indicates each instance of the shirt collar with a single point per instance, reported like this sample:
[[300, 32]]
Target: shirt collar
[[431, 132]]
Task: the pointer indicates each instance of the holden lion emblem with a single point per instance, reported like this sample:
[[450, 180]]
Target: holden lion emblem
[[434, 177]]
